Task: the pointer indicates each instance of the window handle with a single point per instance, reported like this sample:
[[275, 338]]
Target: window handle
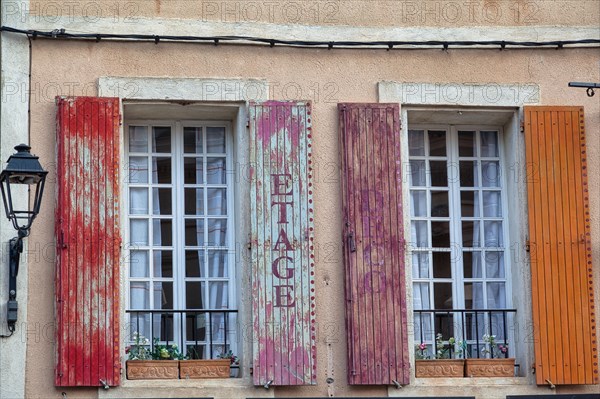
[[351, 243]]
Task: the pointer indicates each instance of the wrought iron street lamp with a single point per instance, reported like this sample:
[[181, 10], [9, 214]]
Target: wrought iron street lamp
[[22, 168]]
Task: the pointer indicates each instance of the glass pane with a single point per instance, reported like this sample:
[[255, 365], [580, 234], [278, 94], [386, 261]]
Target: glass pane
[[215, 140], [424, 332], [470, 233], [138, 232], [217, 264], [468, 174], [439, 173], [138, 170], [416, 142], [194, 201], [442, 268], [215, 171], [218, 295], [194, 295], [138, 139], [442, 293], [492, 207], [161, 201], [490, 173], [161, 170], [474, 296], [469, 203], [417, 173], [138, 201], [496, 296], [163, 295], [216, 201], [421, 296], [419, 236], [217, 232], [192, 140], [162, 232], [420, 265], [472, 264], [161, 139], [418, 203], [437, 143], [494, 264], [440, 234], [193, 170], [163, 264], [489, 144], [194, 232], [138, 263], [439, 204], [139, 295], [466, 144], [194, 263], [493, 234]]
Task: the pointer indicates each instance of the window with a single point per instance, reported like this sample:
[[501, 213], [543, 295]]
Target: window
[[180, 235], [458, 227]]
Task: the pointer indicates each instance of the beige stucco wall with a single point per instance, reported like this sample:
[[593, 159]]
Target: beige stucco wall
[[326, 77]]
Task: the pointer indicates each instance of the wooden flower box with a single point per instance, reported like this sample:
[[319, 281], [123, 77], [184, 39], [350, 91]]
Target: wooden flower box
[[440, 368], [490, 367], [152, 369], [206, 368]]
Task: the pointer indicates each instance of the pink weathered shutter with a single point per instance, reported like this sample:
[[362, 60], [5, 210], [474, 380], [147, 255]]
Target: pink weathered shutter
[[88, 241], [373, 244], [282, 243]]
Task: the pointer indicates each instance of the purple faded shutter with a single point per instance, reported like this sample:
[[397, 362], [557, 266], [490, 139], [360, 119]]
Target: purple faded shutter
[[373, 244], [282, 243], [88, 241]]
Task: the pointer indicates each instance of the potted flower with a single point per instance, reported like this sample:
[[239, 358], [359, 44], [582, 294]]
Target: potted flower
[[143, 364], [442, 365], [205, 368], [494, 364], [234, 362]]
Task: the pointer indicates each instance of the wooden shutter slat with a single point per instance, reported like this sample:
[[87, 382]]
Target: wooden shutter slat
[[373, 244], [282, 243], [559, 228], [88, 242]]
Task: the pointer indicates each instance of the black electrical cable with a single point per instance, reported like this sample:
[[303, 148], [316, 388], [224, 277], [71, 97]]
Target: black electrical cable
[[501, 44]]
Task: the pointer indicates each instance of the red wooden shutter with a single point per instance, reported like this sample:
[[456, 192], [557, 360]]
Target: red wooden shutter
[[559, 234], [88, 241], [282, 243], [373, 244]]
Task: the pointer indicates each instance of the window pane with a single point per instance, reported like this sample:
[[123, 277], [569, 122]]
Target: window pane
[[163, 264], [193, 170], [472, 264], [194, 232], [490, 173], [194, 295], [192, 140], [424, 330], [440, 234], [216, 201], [418, 202], [217, 232], [466, 144], [470, 233], [416, 142], [442, 268], [217, 264], [419, 236], [215, 171], [494, 264], [420, 265], [442, 293], [474, 296], [421, 296], [161, 170], [139, 295], [218, 295], [437, 143], [138, 139], [194, 201], [492, 206], [138, 263], [161, 201], [493, 234], [439, 204], [469, 202], [417, 173], [138, 170], [468, 174], [138, 232], [194, 263], [439, 173], [215, 140], [489, 144], [162, 232], [163, 295], [138, 201], [161, 139], [496, 296]]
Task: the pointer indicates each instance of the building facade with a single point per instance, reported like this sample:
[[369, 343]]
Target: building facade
[[334, 192]]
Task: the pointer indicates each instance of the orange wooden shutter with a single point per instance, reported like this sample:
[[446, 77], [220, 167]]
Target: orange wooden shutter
[[559, 234], [88, 241], [373, 244]]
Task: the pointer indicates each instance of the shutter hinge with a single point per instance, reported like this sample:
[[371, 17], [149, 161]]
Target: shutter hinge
[[527, 246], [120, 120], [522, 126]]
